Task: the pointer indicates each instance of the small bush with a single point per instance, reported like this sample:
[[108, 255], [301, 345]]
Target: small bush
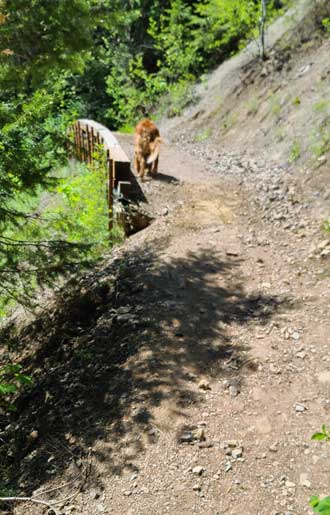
[[326, 25], [295, 151], [280, 134], [203, 135], [73, 218], [322, 106], [79, 209], [321, 143], [176, 43], [11, 380], [252, 106], [275, 105], [320, 505]]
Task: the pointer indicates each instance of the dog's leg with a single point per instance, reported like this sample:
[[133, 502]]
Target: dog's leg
[[142, 168]]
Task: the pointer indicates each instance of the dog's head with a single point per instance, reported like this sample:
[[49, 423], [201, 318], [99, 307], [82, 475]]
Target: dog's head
[[145, 137]]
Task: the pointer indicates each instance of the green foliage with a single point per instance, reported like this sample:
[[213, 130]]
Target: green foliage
[[280, 134], [275, 104], [41, 36], [42, 45], [152, 49], [252, 106], [11, 380], [203, 135], [326, 24], [321, 144], [84, 356], [7, 492], [71, 231], [171, 35], [127, 128], [326, 225], [32, 139], [322, 106], [81, 212], [295, 151], [135, 94], [320, 505], [120, 56], [226, 25], [324, 434]]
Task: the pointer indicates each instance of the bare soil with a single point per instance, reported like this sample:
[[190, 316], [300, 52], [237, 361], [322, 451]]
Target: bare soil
[[187, 373]]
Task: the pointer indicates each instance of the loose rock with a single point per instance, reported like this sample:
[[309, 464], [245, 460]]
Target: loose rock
[[198, 470], [204, 385]]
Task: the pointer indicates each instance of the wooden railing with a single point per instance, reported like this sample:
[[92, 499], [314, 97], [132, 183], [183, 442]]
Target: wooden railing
[[88, 138]]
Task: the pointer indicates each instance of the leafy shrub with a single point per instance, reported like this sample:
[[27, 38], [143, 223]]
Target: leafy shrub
[[134, 93], [225, 25], [280, 134], [71, 220], [32, 139], [324, 434], [202, 136], [79, 212], [172, 39], [295, 151], [321, 144], [252, 106], [275, 104], [177, 42], [321, 136], [11, 380], [321, 505], [322, 106], [326, 24]]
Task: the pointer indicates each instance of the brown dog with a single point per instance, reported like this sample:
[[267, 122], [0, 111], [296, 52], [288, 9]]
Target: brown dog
[[147, 145]]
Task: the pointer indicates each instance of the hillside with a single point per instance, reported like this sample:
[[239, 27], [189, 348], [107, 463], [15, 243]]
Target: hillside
[[188, 371]]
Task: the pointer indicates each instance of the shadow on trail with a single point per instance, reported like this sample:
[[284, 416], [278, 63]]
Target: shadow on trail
[[169, 179], [126, 339]]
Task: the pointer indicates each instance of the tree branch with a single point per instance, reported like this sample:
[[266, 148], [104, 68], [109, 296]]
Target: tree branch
[[29, 499], [6, 240]]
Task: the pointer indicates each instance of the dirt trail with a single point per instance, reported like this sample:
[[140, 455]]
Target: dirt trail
[[231, 374], [191, 370]]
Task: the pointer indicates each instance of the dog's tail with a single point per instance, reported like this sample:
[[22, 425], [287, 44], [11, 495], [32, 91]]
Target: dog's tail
[[155, 150]]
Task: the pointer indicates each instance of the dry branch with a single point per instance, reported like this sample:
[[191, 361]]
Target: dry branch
[[30, 499]]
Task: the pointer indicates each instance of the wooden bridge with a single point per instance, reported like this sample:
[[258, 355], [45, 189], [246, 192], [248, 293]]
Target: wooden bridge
[[89, 137]]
